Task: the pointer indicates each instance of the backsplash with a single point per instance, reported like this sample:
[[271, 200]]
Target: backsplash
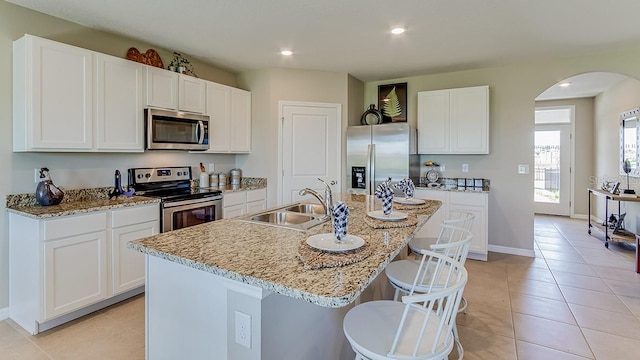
[[467, 184]]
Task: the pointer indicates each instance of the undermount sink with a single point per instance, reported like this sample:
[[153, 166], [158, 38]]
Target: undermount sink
[[315, 209], [292, 216]]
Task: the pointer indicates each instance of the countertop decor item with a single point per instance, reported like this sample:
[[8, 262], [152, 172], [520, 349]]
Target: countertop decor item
[[181, 64], [150, 57], [46, 192], [117, 187], [371, 116]]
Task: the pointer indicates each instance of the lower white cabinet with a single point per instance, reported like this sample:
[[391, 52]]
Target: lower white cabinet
[[65, 267], [475, 203], [243, 202]]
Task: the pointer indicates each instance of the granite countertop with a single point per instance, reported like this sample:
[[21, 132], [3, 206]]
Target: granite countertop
[[75, 201], [266, 256]]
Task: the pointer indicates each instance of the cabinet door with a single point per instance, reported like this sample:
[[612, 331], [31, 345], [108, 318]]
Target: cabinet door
[[75, 273], [218, 109], [240, 120], [232, 211], [432, 228], [477, 205], [57, 96], [192, 94], [161, 88], [127, 266], [119, 109], [433, 122], [256, 206], [470, 120]]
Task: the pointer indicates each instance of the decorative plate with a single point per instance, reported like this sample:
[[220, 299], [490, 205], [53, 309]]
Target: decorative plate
[[394, 216], [405, 201], [432, 176], [328, 242]]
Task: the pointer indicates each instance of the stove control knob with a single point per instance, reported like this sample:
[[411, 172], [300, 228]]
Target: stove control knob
[[140, 176], [179, 173], [147, 175]]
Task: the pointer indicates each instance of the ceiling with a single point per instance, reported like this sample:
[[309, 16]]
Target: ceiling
[[352, 36]]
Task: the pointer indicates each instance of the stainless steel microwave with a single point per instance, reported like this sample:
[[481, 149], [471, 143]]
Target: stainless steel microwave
[[175, 130]]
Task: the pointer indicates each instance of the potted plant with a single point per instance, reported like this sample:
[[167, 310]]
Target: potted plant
[[181, 64]]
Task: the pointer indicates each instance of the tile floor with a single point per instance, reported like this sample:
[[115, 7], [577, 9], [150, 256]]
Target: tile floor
[[575, 300]]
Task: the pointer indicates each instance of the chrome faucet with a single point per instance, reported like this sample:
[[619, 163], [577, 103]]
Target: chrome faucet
[[327, 202]]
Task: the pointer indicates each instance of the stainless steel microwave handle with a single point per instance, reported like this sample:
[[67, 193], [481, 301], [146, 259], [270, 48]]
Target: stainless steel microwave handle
[[200, 131], [195, 202]]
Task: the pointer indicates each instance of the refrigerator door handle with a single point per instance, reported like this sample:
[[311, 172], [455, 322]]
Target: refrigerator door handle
[[371, 166]]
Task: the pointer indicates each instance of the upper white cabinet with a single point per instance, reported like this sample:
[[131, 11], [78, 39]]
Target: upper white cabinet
[[52, 96], [230, 124], [119, 108], [68, 99], [170, 90], [454, 121]]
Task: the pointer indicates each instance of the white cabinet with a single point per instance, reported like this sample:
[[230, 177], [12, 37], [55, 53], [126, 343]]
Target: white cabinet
[[127, 266], [243, 202], [230, 123], [475, 203], [68, 99], [52, 96], [119, 107], [454, 121], [170, 90], [65, 267]]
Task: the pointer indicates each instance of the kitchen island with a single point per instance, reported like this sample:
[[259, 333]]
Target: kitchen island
[[216, 286]]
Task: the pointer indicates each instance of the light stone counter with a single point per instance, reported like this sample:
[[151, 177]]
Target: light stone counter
[[266, 256]]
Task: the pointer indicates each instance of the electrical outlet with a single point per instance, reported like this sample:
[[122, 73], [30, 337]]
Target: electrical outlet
[[36, 175], [212, 168], [465, 168], [442, 167], [243, 329]]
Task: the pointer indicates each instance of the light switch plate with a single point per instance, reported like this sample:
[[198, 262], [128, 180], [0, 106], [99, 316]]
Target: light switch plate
[[465, 168], [523, 169], [442, 167]]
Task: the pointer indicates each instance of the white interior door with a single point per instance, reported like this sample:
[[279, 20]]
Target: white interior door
[[552, 177], [311, 147]]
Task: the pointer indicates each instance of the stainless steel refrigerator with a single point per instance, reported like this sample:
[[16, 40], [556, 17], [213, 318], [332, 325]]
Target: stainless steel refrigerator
[[377, 152]]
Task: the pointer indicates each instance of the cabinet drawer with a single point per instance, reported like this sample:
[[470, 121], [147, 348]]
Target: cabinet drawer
[[74, 225], [255, 195], [234, 198], [134, 215], [467, 199]]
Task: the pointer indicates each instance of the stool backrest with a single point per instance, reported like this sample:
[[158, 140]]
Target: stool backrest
[[426, 326], [459, 219]]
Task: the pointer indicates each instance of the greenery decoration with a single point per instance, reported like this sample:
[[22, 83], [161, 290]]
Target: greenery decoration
[[391, 107], [181, 64]]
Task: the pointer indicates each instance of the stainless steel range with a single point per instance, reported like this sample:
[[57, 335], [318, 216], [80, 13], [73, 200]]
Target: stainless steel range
[[181, 205]]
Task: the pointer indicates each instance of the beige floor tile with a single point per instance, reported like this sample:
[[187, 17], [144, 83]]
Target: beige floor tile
[[581, 281], [482, 295], [487, 279], [535, 288], [495, 320], [482, 345], [612, 347], [516, 272], [624, 288], [541, 307], [633, 304], [547, 233], [529, 351], [563, 248], [562, 256], [546, 239], [571, 267], [498, 270], [627, 275], [593, 299], [618, 262], [592, 244], [607, 321], [549, 333]]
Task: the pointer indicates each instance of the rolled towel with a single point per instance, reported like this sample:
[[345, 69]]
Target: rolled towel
[[385, 192], [407, 187], [340, 219]]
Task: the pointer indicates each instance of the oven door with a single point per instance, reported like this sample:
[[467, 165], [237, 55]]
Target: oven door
[[180, 214]]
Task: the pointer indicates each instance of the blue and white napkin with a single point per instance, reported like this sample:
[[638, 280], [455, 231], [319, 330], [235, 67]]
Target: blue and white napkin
[[407, 187], [385, 192], [340, 219]]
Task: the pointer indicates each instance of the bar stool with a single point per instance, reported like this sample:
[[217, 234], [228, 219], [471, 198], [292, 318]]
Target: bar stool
[[457, 218], [419, 327]]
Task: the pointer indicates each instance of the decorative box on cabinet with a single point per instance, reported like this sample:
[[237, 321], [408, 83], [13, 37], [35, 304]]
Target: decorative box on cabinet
[[68, 99], [475, 203], [239, 203], [230, 124], [454, 121], [66, 267]]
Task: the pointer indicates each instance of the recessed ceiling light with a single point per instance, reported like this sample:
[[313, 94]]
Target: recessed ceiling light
[[398, 30], [286, 52], [564, 84]]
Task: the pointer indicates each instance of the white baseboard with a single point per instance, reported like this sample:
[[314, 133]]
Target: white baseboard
[[4, 313], [580, 216], [512, 251]]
